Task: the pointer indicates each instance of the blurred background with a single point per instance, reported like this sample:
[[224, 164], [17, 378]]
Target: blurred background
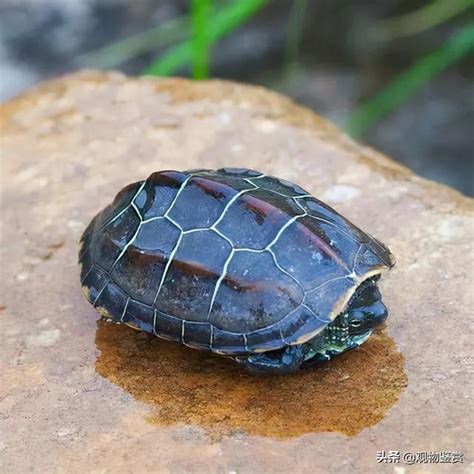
[[395, 74]]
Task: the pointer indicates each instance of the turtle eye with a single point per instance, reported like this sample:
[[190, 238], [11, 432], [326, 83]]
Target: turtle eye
[[355, 323]]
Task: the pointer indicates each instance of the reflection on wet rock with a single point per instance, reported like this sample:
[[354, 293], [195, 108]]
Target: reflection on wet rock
[[196, 388]]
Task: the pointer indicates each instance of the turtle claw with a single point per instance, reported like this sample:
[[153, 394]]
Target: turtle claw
[[282, 361]]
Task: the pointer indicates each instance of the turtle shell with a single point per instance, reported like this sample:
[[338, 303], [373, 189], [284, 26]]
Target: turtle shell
[[231, 261]]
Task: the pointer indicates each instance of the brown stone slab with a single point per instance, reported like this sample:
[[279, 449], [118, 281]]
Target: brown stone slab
[[77, 396]]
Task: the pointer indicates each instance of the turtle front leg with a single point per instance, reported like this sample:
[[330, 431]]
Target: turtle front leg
[[282, 361]]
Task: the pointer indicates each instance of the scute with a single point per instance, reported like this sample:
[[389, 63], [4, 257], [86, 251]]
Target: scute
[[297, 326], [197, 335], [158, 236], [159, 192], [325, 251], [139, 274], [329, 299], [208, 200], [139, 316], [225, 342], [254, 294], [113, 300], [141, 268], [323, 213], [114, 236], [94, 281], [232, 260], [255, 218], [168, 327], [120, 203], [192, 276]]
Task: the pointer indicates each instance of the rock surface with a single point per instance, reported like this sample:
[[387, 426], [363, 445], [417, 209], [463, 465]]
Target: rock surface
[[77, 396]]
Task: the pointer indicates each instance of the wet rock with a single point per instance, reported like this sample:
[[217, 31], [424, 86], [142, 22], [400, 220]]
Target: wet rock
[[196, 388], [114, 409]]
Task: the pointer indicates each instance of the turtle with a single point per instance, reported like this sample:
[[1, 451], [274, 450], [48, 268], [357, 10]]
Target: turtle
[[236, 262]]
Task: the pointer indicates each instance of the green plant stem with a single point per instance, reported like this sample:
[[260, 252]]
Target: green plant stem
[[295, 31], [225, 21], [426, 17], [150, 40], [405, 85], [200, 13]]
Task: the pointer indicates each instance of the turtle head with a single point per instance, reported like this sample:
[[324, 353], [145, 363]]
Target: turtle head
[[351, 328], [365, 311]]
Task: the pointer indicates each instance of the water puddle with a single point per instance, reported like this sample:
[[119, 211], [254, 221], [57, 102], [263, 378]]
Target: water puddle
[[183, 385]]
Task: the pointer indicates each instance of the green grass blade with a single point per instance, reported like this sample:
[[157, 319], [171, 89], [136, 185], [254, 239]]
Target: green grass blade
[[120, 51], [222, 23], [295, 31], [405, 85], [426, 17], [200, 45]]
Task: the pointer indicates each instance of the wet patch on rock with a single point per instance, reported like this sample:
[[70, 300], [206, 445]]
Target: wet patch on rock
[[186, 386]]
